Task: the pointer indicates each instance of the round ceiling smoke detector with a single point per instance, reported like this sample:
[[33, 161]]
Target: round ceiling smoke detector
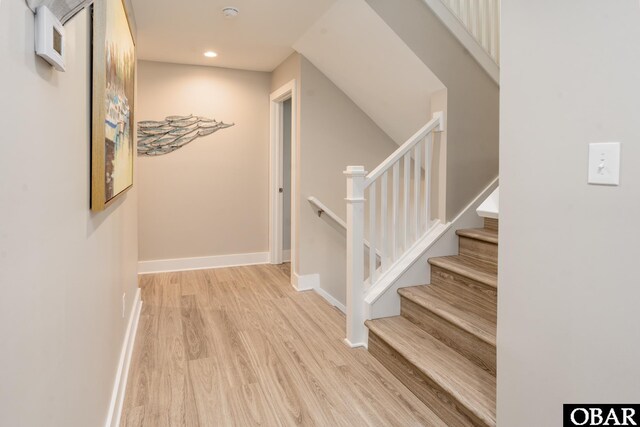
[[230, 12]]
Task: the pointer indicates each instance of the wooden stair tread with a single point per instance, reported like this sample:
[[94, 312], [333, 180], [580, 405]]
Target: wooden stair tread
[[469, 384], [484, 234], [468, 267], [476, 317]]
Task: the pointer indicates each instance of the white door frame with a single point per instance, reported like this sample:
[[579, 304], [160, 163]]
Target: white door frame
[[276, 167]]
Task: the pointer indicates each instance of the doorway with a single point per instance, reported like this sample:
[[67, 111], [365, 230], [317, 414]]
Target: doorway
[[286, 181], [283, 176]]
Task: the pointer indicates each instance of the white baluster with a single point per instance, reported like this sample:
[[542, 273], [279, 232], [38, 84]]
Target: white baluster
[[372, 233], [473, 18], [487, 27], [355, 256], [428, 146], [384, 241], [395, 193], [440, 115], [417, 178], [455, 6], [482, 13], [495, 52], [464, 12], [493, 45], [407, 178]]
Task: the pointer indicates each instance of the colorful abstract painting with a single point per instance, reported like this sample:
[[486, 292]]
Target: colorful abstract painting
[[114, 64]]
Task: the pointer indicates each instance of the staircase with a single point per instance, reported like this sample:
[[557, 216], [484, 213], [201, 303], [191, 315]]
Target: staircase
[[443, 344]]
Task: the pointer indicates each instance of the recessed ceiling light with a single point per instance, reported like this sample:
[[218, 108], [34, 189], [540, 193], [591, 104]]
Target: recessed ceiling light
[[210, 54], [230, 12]]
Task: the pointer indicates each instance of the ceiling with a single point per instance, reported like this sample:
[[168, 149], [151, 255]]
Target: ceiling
[[373, 66], [260, 38], [345, 39]]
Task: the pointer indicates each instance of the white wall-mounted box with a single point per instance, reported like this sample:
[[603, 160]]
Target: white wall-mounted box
[[49, 38]]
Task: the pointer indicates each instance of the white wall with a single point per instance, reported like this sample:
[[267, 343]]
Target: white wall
[[211, 196], [63, 270], [568, 318]]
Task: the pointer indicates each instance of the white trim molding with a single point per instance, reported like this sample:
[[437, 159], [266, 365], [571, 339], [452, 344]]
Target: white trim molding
[[276, 167], [311, 282], [330, 299], [202, 263], [364, 344], [490, 208], [120, 382], [305, 282]]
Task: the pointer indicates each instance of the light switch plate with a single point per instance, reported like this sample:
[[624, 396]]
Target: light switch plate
[[604, 163]]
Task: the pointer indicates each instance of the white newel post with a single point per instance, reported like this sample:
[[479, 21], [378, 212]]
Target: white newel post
[[356, 335]]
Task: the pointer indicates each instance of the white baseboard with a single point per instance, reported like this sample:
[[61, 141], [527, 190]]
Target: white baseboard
[[311, 282], [120, 382], [305, 282], [286, 255], [334, 302], [201, 263], [357, 345]]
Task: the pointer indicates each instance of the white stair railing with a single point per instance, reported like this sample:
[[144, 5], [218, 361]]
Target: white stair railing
[[396, 199], [476, 25], [481, 18]]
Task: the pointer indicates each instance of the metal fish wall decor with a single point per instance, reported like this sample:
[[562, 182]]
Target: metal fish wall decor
[[156, 138]]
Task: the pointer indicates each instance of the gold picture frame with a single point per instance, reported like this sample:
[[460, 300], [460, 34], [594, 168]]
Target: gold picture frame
[[113, 92]]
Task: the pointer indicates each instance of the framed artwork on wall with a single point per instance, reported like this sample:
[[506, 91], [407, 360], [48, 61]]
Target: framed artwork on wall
[[112, 139]]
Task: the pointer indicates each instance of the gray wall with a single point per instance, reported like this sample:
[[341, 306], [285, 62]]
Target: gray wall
[[63, 270], [473, 97], [211, 196], [568, 317], [335, 133], [285, 72]]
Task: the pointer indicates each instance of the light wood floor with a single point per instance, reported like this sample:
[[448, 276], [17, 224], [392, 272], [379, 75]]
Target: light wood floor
[[239, 347]]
